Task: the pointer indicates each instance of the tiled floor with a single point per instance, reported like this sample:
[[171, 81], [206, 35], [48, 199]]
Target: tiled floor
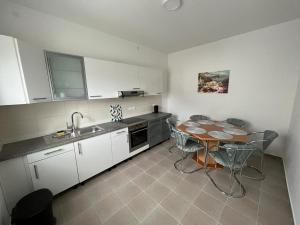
[[148, 190]]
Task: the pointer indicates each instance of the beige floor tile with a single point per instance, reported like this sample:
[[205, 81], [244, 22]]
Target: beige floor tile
[[158, 191], [117, 180], [207, 203], [274, 211], [156, 171], [128, 192], [170, 180], [132, 172], [244, 206], [195, 216], [145, 164], [98, 191], [74, 202], [212, 190], [197, 178], [159, 217], [88, 217], [122, 217], [187, 190], [232, 217], [166, 163], [142, 206], [175, 205], [143, 181], [108, 206]]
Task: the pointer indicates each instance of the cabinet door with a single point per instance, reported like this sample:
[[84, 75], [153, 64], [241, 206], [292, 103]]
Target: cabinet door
[[151, 80], [128, 77], [15, 181], [101, 78], [165, 131], [93, 156], [120, 145], [67, 76], [56, 173], [35, 72], [155, 130], [12, 86]]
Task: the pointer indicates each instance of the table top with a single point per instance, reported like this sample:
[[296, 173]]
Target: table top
[[213, 127]]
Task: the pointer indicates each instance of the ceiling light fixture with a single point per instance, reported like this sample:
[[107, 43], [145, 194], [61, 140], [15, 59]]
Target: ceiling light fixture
[[172, 5]]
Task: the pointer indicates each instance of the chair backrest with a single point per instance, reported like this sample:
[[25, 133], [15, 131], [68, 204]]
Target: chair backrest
[[181, 138], [238, 154], [172, 122], [269, 137], [262, 140], [199, 117], [236, 122]]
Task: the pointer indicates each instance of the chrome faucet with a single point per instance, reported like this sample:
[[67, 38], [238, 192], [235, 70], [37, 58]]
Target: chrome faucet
[[73, 129]]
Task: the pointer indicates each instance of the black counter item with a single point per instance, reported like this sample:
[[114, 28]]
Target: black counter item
[[34, 209], [155, 109]]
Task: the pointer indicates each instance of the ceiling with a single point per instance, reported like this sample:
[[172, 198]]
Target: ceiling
[[147, 23]]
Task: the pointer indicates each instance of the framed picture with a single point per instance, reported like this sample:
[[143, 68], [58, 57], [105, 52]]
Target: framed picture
[[213, 82]]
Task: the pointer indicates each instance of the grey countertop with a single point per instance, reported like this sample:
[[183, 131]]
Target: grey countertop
[[25, 147]]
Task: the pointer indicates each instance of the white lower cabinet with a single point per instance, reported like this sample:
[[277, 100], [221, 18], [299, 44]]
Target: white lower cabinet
[[93, 156], [54, 168], [120, 145]]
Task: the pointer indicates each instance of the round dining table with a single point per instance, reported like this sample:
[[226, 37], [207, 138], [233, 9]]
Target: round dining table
[[211, 143]]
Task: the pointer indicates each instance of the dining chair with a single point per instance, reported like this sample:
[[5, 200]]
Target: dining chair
[[234, 157], [199, 117], [236, 122], [262, 141], [172, 123], [188, 145]]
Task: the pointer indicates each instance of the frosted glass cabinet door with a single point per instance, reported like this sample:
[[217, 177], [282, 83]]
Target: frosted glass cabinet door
[[67, 76]]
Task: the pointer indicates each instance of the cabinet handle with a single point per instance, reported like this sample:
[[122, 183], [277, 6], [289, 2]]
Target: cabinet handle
[[121, 132], [79, 149], [37, 99], [36, 172], [58, 150], [136, 88], [95, 96], [158, 93]]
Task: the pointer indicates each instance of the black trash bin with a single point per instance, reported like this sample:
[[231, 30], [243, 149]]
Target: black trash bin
[[34, 209]]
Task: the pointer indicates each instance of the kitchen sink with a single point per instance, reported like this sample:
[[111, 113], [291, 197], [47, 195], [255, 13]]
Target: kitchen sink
[[89, 130]]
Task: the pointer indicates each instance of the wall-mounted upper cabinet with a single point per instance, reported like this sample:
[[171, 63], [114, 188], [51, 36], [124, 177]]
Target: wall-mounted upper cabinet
[[106, 78], [67, 76], [23, 73], [151, 80]]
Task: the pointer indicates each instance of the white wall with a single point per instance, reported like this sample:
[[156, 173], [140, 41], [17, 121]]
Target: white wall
[[264, 68], [292, 159], [60, 35]]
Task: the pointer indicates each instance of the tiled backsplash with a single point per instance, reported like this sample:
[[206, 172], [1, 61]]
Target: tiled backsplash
[[27, 121]]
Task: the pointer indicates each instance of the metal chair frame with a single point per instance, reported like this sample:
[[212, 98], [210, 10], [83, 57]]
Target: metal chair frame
[[228, 121], [200, 117], [185, 154], [171, 130], [233, 172], [260, 170]]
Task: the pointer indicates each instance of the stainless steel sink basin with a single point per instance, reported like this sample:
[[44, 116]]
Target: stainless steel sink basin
[[89, 130]]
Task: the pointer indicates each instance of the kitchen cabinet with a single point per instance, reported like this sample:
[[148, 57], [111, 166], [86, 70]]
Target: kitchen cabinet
[[15, 180], [158, 131], [151, 80], [54, 168], [67, 76], [93, 156], [23, 73], [106, 78], [120, 145]]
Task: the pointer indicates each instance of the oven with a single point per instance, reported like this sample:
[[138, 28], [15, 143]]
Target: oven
[[138, 136]]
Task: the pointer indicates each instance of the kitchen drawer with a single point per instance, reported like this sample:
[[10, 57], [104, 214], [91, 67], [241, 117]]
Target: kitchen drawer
[[119, 132], [49, 153]]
